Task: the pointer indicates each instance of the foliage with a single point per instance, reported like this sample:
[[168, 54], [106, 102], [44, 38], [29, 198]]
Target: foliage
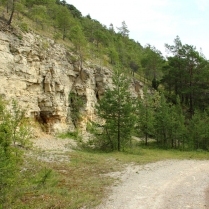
[[13, 134], [123, 30], [70, 135], [75, 12], [24, 27], [152, 63], [198, 131], [145, 113], [64, 21], [169, 125], [39, 14], [76, 105], [113, 55], [43, 177], [116, 108], [186, 75], [80, 42]]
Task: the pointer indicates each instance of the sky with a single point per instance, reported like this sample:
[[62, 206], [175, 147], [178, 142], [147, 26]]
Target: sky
[[154, 22]]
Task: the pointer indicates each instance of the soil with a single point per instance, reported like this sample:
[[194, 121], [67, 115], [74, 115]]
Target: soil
[[171, 184], [52, 149]]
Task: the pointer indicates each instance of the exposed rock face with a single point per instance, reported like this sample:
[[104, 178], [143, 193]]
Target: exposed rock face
[[40, 75]]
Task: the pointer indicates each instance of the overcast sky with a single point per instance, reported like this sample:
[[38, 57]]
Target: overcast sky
[[154, 21]]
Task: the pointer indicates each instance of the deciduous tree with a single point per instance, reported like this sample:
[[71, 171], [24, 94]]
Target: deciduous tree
[[64, 21], [79, 40]]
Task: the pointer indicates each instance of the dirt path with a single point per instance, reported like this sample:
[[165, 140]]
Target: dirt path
[[168, 184]]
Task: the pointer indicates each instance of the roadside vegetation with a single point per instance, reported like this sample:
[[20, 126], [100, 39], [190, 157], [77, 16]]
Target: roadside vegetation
[[83, 181]]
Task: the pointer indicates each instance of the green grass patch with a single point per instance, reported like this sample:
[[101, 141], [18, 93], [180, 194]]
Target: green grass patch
[[81, 182], [70, 135]]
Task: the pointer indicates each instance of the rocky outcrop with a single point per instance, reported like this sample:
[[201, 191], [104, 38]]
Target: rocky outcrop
[[40, 75]]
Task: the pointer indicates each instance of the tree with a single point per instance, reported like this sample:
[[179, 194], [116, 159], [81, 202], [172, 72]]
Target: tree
[[111, 28], [163, 125], [75, 12], [170, 129], [76, 105], [146, 115], [113, 55], [152, 63], [18, 125], [198, 131], [12, 5], [134, 67], [179, 129], [64, 21], [186, 75], [13, 133], [117, 110], [78, 38], [123, 30], [63, 2], [39, 14], [100, 37]]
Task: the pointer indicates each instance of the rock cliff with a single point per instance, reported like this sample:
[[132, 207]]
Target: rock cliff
[[41, 75]]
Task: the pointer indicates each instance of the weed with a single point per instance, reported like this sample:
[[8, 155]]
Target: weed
[[24, 27], [70, 135]]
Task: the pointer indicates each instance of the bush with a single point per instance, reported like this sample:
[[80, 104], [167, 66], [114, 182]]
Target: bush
[[69, 135], [13, 135], [24, 27]]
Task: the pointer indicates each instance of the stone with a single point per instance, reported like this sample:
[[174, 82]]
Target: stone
[[42, 78]]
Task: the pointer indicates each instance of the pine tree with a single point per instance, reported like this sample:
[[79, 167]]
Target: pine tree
[[123, 30], [198, 131], [163, 122], [186, 75], [146, 116], [117, 110]]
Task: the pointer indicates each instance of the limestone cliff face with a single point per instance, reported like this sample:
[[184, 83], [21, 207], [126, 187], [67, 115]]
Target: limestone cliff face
[[40, 75]]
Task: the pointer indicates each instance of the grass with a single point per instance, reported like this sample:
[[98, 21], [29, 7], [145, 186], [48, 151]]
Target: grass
[[81, 181], [69, 135]]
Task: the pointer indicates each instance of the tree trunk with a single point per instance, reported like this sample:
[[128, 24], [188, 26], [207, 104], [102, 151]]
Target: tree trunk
[[191, 92], [119, 105], [146, 139], [13, 10], [119, 142]]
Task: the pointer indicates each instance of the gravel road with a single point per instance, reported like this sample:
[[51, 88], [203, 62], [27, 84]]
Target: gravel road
[[171, 184]]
